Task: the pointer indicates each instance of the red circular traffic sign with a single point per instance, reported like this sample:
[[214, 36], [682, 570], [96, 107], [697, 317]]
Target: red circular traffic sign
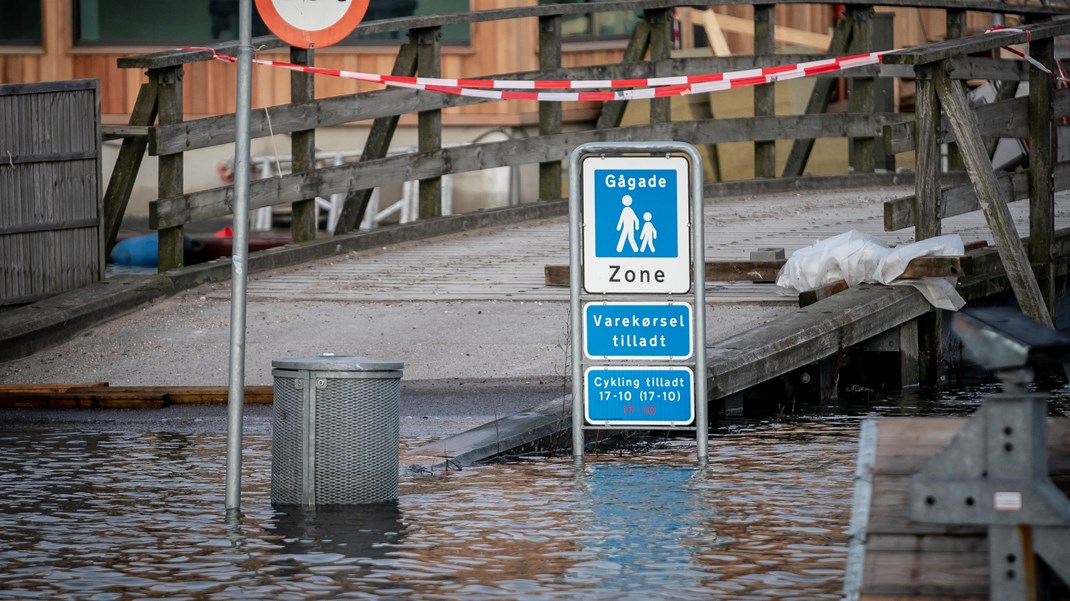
[[311, 23]]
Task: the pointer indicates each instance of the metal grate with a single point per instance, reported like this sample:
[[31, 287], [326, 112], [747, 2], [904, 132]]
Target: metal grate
[[287, 453], [356, 440]]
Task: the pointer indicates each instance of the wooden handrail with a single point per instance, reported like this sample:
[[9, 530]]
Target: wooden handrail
[[862, 123]]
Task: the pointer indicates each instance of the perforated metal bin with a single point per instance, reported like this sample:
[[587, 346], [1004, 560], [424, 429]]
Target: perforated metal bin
[[336, 430]]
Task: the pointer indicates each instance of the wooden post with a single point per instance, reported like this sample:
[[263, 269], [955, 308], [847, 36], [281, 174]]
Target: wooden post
[[127, 165], [908, 354], [429, 123], [660, 50], [860, 91], [764, 96], [1041, 162], [613, 112], [882, 37], [376, 146], [819, 101], [993, 204], [302, 147], [956, 28], [168, 83], [926, 221], [549, 112]]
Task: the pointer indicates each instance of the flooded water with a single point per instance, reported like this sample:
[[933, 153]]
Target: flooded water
[[131, 513]]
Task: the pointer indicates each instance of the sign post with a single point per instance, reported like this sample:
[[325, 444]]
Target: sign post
[[302, 23], [637, 289]]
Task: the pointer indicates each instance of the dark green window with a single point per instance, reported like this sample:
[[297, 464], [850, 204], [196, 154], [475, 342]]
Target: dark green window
[[20, 22], [611, 24], [178, 22], [392, 9], [158, 22]]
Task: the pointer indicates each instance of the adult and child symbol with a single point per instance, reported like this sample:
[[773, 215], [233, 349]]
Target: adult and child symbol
[[628, 224]]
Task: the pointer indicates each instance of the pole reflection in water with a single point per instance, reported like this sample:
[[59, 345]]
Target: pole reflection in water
[[364, 531], [647, 524]]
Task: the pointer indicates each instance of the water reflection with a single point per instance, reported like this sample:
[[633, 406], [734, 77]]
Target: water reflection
[[365, 531], [116, 514]]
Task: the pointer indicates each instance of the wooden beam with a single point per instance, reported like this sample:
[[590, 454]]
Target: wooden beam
[[429, 123], [994, 207], [1042, 158], [613, 112], [127, 165], [764, 96], [103, 396], [170, 180], [960, 199], [1008, 118], [818, 103], [940, 51], [303, 223], [122, 132], [217, 202], [861, 93], [809, 297], [376, 146], [711, 22], [660, 51], [550, 112], [90, 399]]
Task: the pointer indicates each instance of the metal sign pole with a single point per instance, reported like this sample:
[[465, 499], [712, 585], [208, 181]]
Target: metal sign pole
[[575, 316], [236, 383]]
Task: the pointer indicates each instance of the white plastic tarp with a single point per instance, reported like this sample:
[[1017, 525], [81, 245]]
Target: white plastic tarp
[[856, 258]]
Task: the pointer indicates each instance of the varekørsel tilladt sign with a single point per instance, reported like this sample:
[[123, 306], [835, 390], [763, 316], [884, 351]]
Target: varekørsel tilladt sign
[[311, 23]]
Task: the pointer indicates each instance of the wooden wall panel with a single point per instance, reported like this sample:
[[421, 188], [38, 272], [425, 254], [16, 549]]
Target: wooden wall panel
[[20, 68], [497, 47]]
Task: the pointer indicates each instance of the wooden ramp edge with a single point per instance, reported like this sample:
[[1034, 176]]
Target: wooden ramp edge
[[809, 334], [891, 557], [100, 395]]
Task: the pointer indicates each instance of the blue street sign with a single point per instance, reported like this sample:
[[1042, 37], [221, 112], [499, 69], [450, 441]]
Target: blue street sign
[[638, 331], [638, 213], [639, 396]]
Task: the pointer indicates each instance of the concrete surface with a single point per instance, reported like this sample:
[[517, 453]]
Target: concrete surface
[[466, 312]]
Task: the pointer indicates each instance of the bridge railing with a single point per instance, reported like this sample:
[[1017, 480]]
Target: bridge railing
[[158, 125]]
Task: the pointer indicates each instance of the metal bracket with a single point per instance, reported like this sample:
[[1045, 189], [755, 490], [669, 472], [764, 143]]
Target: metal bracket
[[995, 473]]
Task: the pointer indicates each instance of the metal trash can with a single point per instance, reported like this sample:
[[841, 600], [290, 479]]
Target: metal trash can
[[336, 430]]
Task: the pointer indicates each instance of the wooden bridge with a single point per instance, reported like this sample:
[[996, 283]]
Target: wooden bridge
[[942, 117]]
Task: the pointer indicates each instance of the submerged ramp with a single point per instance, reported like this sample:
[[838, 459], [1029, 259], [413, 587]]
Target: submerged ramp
[[794, 340]]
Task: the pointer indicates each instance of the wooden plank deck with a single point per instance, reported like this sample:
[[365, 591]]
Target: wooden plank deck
[[904, 559]]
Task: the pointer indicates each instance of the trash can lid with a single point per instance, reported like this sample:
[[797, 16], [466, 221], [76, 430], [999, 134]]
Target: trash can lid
[[337, 363]]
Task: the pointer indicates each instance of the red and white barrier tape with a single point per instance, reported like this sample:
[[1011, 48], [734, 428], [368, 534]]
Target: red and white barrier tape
[[654, 87], [1059, 77]]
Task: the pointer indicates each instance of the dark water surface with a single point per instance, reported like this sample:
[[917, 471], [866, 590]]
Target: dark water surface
[[120, 514]]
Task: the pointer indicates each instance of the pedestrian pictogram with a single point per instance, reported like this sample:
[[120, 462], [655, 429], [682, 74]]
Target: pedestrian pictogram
[[636, 220]]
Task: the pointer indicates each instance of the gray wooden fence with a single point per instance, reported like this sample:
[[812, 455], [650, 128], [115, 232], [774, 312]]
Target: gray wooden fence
[[51, 218], [157, 123]]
